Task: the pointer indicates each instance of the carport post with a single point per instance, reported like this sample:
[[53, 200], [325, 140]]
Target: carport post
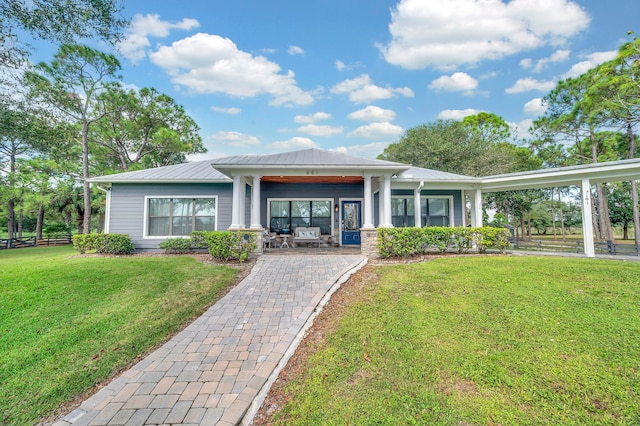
[[587, 223]]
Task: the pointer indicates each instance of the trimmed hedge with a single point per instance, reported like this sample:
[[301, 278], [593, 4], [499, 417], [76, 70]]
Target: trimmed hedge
[[177, 245], [230, 245], [103, 243], [405, 242]]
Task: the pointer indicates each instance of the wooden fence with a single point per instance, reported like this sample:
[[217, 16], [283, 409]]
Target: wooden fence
[[52, 240], [608, 247]]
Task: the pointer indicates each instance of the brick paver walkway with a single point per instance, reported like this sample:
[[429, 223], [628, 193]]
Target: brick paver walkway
[[219, 368]]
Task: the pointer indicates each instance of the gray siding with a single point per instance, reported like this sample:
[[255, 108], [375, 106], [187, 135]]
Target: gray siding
[[127, 206]]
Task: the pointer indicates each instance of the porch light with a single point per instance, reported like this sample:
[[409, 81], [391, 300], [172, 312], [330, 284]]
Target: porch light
[[335, 209]]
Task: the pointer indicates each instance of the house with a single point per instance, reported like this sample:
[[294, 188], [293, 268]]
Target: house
[[347, 197]]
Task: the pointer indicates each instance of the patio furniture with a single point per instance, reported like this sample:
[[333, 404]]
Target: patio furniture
[[304, 234]]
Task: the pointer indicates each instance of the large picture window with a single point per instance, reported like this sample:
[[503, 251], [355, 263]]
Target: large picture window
[[434, 211], [286, 216], [178, 216]]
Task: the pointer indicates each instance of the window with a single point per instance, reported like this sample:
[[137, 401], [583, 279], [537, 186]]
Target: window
[[285, 216], [434, 211], [178, 216]]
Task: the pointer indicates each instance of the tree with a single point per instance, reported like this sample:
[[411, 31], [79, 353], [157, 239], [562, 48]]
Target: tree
[[574, 117], [71, 85], [59, 21], [144, 128], [474, 148], [621, 206], [618, 89]]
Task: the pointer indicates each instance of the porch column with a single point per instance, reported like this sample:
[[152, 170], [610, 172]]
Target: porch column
[[243, 204], [476, 208], [417, 206], [368, 204], [255, 203], [587, 223], [236, 207], [386, 221]]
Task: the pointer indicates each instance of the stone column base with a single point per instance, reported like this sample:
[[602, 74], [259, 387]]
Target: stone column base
[[369, 243]]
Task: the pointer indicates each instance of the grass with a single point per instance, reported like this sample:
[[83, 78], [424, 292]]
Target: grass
[[478, 340], [69, 322]]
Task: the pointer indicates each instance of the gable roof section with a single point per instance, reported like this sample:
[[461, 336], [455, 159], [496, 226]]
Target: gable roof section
[[306, 162], [199, 171]]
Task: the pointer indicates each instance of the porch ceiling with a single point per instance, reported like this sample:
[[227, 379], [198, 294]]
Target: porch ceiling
[[312, 179]]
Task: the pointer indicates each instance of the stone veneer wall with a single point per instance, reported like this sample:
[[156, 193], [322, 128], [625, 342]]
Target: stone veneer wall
[[368, 243]]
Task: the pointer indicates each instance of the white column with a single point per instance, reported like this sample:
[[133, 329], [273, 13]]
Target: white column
[[236, 207], [386, 200], [587, 224], [476, 208], [368, 204], [380, 203], [243, 204], [417, 206], [255, 203]]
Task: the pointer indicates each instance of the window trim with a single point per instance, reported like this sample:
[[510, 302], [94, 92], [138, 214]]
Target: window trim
[[434, 197], [330, 200], [145, 219]]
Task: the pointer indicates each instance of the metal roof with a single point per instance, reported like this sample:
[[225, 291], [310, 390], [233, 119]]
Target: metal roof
[[306, 157], [611, 171], [199, 171], [419, 174]]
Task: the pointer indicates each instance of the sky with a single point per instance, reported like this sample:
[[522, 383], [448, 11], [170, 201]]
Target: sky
[[268, 76]]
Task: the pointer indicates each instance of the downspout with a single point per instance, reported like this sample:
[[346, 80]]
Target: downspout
[[107, 207]]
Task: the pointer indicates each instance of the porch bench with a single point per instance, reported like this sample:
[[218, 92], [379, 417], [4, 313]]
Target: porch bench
[[304, 234]]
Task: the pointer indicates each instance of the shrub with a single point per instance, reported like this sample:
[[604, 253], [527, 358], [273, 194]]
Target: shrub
[[493, 238], [103, 243], [229, 245], [176, 245], [199, 239], [404, 242], [56, 228]]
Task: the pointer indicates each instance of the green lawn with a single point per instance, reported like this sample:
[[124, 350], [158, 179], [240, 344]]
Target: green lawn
[[68, 322], [478, 340]]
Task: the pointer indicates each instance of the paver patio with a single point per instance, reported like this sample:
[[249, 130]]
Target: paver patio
[[218, 369]]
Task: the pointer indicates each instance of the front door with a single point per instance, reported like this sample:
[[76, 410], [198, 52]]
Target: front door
[[351, 222]]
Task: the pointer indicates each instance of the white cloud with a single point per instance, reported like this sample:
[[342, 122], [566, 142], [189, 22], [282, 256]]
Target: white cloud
[[312, 118], [235, 139], [449, 33], [231, 110], [377, 131], [557, 56], [526, 63], [340, 66], [592, 60], [136, 39], [208, 63], [370, 150], [315, 130], [457, 114], [521, 129], [206, 156], [295, 142], [295, 50], [457, 82], [535, 107], [528, 84], [373, 113], [362, 90]]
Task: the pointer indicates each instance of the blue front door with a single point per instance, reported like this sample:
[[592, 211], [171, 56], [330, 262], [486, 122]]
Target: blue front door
[[351, 222]]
